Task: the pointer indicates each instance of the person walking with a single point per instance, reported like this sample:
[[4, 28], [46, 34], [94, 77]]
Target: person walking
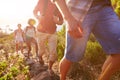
[[19, 38], [48, 16], [82, 18], [30, 33]]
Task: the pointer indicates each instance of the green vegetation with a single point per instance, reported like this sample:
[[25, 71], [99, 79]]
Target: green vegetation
[[94, 53], [61, 43], [13, 67], [116, 6]]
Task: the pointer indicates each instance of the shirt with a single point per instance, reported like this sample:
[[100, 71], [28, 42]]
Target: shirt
[[47, 24], [83, 6], [18, 35], [30, 31]]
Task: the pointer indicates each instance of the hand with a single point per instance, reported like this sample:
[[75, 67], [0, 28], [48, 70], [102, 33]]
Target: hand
[[56, 19], [39, 17], [74, 27]]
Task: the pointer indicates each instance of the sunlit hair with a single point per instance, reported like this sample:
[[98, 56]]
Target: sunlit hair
[[19, 25], [31, 21]]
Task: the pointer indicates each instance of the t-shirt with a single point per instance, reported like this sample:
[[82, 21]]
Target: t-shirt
[[30, 31], [83, 6], [19, 36]]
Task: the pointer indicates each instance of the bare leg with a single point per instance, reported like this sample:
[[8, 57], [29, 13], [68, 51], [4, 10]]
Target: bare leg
[[41, 50], [22, 47], [29, 49], [106, 63], [50, 68], [36, 49], [64, 68], [17, 47], [111, 68], [41, 60], [50, 65]]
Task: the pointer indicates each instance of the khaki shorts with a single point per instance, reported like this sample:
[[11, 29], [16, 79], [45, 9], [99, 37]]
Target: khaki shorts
[[47, 42]]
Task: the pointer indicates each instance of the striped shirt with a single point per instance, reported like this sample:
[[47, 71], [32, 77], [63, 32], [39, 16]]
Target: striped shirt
[[81, 7]]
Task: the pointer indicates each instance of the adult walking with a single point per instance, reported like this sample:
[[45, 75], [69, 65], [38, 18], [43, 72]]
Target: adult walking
[[48, 16], [84, 17]]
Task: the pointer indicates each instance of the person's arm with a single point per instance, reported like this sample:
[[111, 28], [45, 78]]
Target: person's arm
[[74, 26], [36, 10], [58, 19], [26, 28], [61, 4]]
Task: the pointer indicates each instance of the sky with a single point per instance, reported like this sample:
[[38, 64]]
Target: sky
[[13, 12]]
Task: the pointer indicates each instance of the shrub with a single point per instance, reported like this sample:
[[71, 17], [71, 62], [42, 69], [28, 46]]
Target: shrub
[[13, 67], [61, 42], [94, 53]]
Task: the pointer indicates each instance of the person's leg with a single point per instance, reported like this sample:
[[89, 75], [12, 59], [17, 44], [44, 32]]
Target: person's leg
[[41, 40], [36, 46], [21, 47], [16, 47], [106, 63], [36, 49], [52, 45], [41, 51], [50, 65], [64, 66], [107, 32], [75, 48], [29, 48], [73, 53], [50, 70], [111, 67]]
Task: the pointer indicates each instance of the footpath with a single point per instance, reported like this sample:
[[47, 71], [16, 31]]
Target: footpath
[[40, 72]]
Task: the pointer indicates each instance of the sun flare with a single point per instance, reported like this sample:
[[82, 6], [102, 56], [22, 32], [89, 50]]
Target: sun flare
[[15, 11]]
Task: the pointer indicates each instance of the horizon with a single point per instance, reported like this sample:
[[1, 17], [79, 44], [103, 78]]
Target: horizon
[[13, 12]]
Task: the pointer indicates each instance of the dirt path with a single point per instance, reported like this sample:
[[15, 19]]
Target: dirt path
[[40, 72]]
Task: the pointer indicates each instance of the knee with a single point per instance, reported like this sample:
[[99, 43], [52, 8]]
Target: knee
[[116, 57]]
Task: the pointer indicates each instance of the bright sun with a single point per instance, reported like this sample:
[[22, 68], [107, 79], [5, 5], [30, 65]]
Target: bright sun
[[16, 11]]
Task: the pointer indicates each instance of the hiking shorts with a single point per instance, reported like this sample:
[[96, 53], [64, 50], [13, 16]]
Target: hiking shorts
[[19, 39], [47, 43], [104, 24]]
